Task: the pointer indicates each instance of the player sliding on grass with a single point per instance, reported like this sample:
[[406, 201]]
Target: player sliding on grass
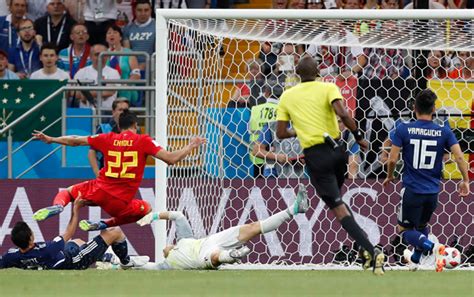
[[114, 189], [423, 144], [60, 253], [223, 247]]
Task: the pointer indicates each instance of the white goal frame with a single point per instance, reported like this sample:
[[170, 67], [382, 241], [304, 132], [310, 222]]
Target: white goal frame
[[161, 99]]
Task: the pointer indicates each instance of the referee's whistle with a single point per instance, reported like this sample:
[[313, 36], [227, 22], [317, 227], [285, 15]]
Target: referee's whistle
[[329, 140]]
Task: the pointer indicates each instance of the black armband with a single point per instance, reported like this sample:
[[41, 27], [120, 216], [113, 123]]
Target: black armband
[[358, 135]]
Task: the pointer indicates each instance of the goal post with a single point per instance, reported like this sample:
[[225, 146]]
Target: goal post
[[203, 61]]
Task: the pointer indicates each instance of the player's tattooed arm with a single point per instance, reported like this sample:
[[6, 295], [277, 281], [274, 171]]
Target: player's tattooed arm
[[71, 140]]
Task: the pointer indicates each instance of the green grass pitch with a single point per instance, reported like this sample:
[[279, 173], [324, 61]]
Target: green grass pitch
[[235, 283]]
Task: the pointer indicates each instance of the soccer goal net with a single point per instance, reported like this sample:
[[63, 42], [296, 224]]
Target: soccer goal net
[[219, 76]]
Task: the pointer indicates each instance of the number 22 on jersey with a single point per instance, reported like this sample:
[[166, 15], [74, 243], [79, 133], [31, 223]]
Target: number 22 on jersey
[[119, 163]]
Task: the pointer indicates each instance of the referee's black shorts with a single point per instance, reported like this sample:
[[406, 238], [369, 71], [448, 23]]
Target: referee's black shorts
[[327, 169]]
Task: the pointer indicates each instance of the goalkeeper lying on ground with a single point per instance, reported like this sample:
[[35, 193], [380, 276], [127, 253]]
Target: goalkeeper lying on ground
[[223, 247]]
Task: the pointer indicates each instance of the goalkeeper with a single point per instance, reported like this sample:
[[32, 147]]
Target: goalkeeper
[[223, 247]]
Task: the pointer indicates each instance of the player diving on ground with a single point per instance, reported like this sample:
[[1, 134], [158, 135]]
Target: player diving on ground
[[227, 246]]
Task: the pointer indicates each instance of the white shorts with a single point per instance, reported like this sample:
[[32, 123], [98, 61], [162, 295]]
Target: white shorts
[[224, 240]]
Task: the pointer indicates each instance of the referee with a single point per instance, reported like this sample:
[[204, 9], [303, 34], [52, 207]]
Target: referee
[[312, 106]]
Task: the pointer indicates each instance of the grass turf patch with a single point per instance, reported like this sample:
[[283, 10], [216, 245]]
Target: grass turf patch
[[15, 282]]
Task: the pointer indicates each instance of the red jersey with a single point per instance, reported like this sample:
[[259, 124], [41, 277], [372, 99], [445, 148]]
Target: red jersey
[[124, 161]]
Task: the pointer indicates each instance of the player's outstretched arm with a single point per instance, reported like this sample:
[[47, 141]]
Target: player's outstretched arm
[[462, 165], [174, 157], [163, 215], [64, 140], [391, 163], [72, 225]]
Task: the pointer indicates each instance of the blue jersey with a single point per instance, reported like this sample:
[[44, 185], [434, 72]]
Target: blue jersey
[[423, 144], [44, 255]]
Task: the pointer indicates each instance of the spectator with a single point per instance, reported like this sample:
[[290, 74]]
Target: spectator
[[466, 66], [49, 58], [37, 9], [198, 4], [140, 35], [91, 73], [77, 55], [96, 159], [469, 4], [359, 27], [269, 54], [169, 4], [437, 65], [340, 61], [9, 24], [326, 56], [390, 4], [287, 60], [315, 4], [352, 4], [432, 5], [297, 4], [55, 26], [24, 58], [248, 94], [127, 66], [5, 73], [371, 4], [385, 63], [99, 15], [280, 4]]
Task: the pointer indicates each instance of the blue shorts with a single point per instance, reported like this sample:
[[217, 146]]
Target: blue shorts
[[416, 209], [81, 257]]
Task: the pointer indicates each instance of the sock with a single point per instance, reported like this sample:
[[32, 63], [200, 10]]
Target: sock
[[356, 233], [62, 198], [107, 257], [418, 240], [224, 257], [291, 210], [416, 256], [121, 250], [273, 222], [102, 225]]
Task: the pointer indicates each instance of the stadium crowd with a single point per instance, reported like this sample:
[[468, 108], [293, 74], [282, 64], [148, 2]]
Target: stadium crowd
[[73, 27]]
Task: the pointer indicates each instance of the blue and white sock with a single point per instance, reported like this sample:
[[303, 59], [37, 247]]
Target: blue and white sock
[[121, 250]]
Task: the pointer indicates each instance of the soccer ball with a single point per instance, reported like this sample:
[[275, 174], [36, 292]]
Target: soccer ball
[[452, 257]]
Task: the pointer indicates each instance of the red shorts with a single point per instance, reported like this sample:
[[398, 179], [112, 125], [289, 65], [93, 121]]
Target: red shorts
[[114, 206]]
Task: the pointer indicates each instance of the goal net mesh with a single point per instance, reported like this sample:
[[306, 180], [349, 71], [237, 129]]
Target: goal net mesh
[[219, 73]]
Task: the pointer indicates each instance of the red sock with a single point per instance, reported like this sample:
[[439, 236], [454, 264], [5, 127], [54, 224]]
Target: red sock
[[62, 198]]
